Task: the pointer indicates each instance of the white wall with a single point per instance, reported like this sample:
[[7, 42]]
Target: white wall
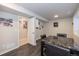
[[38, 32], [31, 31], [9, 36], [42, 29], [64, 26], [76, 29]]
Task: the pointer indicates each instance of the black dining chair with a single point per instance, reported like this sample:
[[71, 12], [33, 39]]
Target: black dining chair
[[43, 36]]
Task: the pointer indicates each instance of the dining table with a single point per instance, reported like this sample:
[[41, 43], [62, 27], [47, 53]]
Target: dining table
[[59, 41]]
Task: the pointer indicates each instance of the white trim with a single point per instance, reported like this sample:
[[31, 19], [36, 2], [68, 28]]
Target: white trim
[[3, 52]]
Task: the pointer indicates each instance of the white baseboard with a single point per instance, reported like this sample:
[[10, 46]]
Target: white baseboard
[[3, 52]]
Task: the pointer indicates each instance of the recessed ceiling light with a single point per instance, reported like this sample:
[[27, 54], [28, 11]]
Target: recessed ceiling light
[[56, 16]]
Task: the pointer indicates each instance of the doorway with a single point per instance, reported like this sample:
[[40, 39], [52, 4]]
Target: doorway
[[22, 30]]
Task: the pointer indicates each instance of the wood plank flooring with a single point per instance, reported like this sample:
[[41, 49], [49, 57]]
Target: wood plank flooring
[[26, 50]]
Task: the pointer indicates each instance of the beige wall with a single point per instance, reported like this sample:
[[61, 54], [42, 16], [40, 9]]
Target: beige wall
[[64, 26], [22, 31], [76, 29]]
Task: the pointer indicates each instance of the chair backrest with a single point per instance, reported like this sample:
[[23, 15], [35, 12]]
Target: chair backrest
[[61, 35], [43, 36]]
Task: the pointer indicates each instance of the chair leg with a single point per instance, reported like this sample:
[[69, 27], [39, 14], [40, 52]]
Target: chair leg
[[42, 46]]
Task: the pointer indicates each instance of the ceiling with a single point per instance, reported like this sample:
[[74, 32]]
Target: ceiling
[[48, 10], [6, 9]]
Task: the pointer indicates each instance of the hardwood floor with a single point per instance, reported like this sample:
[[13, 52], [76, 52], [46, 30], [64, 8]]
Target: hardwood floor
[[26, 50]]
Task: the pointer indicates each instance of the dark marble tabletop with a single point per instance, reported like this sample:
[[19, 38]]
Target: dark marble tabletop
[[59, 41]]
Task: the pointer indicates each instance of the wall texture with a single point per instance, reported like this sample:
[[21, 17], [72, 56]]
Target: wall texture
[[64, 26]]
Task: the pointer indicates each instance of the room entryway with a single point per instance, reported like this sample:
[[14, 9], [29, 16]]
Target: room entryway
[[23, 31]]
